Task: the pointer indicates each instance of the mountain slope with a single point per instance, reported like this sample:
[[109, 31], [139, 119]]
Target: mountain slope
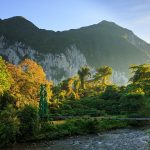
[[104, 43]]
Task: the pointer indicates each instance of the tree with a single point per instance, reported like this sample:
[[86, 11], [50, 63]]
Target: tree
[[69, 88], [36, 76], [141, 77], [18, 88], [103, 75], [43, 106], [83, 73], [28, 76], [5, 77], [34, 71], [76, 87]]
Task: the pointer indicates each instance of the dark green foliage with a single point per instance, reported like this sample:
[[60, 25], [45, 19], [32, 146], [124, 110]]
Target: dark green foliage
[[71, 127], [85, 125], [83, 73], [28, 122], [92, 106], [47, 127], [111, 92], [43, 106], [132, 103], [108, 124], [9, 126], [80, 126], [6, 99]]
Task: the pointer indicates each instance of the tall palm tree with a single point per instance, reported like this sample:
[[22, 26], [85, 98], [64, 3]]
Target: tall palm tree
[[103, 74], [83, 73]]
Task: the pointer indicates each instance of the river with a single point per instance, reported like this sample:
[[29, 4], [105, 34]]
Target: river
[[120, 139]]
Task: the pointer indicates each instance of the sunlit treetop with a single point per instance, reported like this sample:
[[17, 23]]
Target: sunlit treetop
[[5, 77], [141, 73]]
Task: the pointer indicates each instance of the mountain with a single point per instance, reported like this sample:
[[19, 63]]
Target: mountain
[[62, 53]]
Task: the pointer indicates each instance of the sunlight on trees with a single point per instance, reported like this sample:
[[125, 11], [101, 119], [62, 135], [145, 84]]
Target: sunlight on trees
[[28, 76], [5, 77], [79, 95], [83, 73], [103, 75], [141, 77]]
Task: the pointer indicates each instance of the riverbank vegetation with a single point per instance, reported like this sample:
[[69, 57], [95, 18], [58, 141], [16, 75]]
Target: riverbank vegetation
[[84, 102]]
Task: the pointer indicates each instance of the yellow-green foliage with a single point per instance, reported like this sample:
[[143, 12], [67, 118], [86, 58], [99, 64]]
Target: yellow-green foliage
[[103, 75], [141, 77], [5, 77]]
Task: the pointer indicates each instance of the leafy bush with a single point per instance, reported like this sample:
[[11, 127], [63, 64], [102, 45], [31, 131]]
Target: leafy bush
[[111, 93], [6, 99], [47, 127], [81, 126], [132, 103], [108, 124], [28, 121], [9, 126]]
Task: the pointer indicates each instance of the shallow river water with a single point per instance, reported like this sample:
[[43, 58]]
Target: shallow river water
[[124, 139]]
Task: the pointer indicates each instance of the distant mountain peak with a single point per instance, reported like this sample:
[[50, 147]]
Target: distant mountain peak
[[17, 18], [20, 21], [105, 21]]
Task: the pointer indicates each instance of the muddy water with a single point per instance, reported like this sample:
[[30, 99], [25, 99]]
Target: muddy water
[[124, 139]]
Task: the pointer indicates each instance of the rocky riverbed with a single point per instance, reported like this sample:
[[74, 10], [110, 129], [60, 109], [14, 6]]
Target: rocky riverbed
[[124, 139]]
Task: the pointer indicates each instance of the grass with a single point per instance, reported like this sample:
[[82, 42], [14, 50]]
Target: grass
[[78, 126], [58, 122]]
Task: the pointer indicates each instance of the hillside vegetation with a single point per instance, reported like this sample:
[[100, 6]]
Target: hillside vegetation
[[24, 117]]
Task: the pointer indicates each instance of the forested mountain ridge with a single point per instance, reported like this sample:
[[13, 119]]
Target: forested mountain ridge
[[104, 43], [86, 64]]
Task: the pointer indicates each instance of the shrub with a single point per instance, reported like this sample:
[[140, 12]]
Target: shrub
[[47, 127], [28, 121], [111, 93], [132, 103], [9, 126], [6, 99], [84, 125], [108, 124]]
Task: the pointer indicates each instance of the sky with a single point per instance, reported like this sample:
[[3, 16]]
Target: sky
[[59, 15]]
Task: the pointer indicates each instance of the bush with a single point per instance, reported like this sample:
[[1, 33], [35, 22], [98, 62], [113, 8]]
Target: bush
[[82, 126], [132, 103], [9, 126], [108, 124], [28, 121], [6, 99], [111, 93], [47, 127]]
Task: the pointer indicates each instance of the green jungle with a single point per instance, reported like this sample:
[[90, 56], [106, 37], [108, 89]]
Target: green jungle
[[33, 108]]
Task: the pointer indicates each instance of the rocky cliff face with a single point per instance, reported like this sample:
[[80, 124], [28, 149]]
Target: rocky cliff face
[[57, 66], [61, 54]]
